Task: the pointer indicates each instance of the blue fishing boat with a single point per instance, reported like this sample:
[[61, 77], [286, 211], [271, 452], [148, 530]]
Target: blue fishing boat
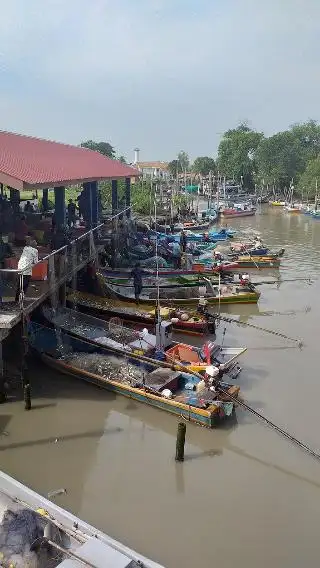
[[208, 237]]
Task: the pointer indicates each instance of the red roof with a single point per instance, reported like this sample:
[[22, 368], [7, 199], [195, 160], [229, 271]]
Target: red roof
[[27, 162]]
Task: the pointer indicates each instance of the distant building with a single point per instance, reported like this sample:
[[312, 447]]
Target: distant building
[[157, 170]]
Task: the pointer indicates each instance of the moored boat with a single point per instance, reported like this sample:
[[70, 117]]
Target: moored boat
[[206, 237], [176, 392], [225, 294], [120, 273], [292, 209], [235, 212], [266, 261], [30, 521], [185, 321], [145, 346]]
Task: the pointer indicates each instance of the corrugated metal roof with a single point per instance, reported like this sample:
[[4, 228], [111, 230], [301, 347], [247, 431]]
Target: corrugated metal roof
[[32, 162]]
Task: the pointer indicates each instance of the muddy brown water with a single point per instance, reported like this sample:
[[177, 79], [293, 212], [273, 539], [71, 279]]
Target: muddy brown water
[[244, 495]]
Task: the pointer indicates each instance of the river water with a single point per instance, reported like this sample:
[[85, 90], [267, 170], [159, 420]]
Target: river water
[[244, 494]]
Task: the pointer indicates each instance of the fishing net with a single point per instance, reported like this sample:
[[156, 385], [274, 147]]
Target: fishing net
[[118, 370], [20, 531]]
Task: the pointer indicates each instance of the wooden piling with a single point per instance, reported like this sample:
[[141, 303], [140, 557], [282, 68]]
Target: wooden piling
[[181, 438], [27, 396]]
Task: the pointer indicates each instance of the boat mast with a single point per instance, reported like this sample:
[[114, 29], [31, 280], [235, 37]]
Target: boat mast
[[157, 314]]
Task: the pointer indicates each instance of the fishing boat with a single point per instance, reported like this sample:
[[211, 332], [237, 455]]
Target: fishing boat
[[211, 236], [266, 261], [30, 521], [210, 214], [277, 203], [224, 266], [190, 280], [258, 252], [177, 392], [185, 226], [144, 346], [239, 211], [225, 294], [292, 209], [184, 321]]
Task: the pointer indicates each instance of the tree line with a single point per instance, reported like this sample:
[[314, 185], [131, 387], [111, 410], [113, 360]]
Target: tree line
[[253, 159]]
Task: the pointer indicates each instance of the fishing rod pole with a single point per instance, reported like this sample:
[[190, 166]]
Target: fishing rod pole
[[278, 281], [277, 333]]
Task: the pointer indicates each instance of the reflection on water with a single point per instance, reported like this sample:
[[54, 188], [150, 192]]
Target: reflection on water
[[244, 494]]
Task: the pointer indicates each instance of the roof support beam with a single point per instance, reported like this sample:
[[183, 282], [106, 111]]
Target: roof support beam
[[60, 206], [114, 190], [128, 195]]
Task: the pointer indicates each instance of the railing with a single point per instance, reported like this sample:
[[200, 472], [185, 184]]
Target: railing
[[62, 264]]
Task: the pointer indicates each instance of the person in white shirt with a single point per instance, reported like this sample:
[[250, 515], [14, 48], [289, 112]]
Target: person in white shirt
[[28, 258]]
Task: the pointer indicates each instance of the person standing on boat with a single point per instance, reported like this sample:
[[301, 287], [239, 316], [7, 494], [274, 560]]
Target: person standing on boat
[[136, 274], [183, 241]]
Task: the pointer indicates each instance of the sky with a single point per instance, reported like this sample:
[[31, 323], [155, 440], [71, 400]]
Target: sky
[[163, 75]]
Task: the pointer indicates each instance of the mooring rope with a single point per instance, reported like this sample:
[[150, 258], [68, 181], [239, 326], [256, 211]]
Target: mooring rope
[[281, 431], [277, 333]]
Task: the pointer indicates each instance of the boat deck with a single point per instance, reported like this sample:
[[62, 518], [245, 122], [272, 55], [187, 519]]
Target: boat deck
[[91, 546]]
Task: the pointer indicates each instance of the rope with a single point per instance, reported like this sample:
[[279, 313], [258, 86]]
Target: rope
[[284, 433], [269, 423], [277, 333]]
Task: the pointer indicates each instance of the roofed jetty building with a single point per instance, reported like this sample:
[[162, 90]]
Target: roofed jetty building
[[28, 163]]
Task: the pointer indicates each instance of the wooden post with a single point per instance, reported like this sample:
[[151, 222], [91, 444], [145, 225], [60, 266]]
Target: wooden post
[[27, 396], [3, 396], [181, 438]]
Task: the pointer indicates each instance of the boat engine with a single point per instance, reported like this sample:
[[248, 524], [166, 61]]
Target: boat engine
[[163, 335]]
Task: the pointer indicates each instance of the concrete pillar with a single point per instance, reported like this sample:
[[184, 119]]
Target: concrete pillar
[[128, 195], [63, 294], [2, 381], [86, 203], [114, 185], [94, 203], [45, 205], [60, 205]]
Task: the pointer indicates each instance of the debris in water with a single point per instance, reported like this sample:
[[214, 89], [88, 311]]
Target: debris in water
[[56, 492]]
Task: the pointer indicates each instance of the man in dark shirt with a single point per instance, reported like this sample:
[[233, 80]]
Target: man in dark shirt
[[136, 274], [28, 208], [183, 241], [71, 213]]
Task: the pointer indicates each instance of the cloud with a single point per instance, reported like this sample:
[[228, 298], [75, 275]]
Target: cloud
[[163, 74]]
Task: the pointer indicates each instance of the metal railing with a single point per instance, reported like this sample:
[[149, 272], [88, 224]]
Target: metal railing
[[63, 263]]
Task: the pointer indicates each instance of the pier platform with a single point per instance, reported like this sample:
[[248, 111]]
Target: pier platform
[[61, 266]]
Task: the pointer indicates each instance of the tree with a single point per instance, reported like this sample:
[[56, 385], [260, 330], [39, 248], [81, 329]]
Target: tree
[[309, 178], [308, 136], [279, 158], [236, 154], [174, 168], [203, 165], [103, 147], [122, 159], [183, 160]]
